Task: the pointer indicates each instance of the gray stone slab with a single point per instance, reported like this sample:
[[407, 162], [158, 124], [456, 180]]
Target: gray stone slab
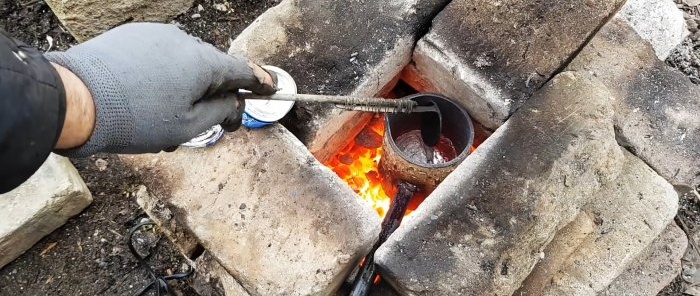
[[85, 19], [336, 47], [659, 22], [492, 55], [552, 259], [483, 229], [42, 204], [654, 269], [630, 213], [656, 107], [279, 221], [212, 279]]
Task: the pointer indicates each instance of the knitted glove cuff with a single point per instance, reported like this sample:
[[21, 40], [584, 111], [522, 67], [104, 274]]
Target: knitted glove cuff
[[114, 122]]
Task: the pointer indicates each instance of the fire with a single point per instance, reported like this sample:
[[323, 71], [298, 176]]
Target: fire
[[358, 165]]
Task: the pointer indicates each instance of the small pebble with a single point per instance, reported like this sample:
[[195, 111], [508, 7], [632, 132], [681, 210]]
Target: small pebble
[[200, 8], [221, 7], [196, 16]]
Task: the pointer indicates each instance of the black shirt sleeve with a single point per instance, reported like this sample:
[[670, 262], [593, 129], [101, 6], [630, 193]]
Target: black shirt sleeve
[[32, 110]]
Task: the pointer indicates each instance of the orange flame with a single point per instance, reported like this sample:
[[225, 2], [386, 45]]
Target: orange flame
[[358, 166]]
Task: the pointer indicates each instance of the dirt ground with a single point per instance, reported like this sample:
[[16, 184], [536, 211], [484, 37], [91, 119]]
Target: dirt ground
[[89, 255], [686, 57]]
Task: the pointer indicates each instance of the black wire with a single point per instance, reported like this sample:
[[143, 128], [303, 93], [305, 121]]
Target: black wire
[[160, 283]]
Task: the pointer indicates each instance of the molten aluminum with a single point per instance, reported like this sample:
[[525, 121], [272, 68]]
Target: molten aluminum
[[413, 147]]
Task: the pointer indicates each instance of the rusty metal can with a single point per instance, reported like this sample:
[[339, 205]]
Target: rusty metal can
[[260, 113]]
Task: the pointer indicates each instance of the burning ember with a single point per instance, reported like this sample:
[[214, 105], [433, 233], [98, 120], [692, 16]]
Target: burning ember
[[358, 165]]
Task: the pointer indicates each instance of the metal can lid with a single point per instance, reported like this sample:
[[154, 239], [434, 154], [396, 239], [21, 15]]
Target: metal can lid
[[271, 111]]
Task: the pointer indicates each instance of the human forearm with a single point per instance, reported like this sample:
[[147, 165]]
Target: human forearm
[[80, 111]]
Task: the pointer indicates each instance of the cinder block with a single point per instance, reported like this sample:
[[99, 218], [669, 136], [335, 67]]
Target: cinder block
[[41, 205], [336, 47], [492, 55], [86, 19], [659, 22], [630, 213], [653, 270], [656, 107], [483, 229], [276, 219]]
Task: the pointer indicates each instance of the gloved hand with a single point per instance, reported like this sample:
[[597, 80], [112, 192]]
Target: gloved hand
[[156, 87]]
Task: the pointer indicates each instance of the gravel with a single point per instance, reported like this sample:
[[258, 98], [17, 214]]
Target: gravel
[[686, 58]]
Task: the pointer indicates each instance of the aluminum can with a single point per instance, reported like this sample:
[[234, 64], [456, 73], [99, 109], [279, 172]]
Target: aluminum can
[[207, 138], [260, 113]]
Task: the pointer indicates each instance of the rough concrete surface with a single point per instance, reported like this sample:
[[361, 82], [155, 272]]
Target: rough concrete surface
[[88, 18], [492, 55], [39, 206], [656, 106], [483, 229], [654, 269], [629, 213], [212, 279], [565, 242], [279, 221], [659, 22], [336, 47]]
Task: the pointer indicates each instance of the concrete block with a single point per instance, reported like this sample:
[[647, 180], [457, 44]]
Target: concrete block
[[659, 22], [85, 19], [483, 229], [629, 213], [653, 270], [492, 55], [656, 106], [336, 47], [552, 259], [275, 218], [42, 204], [212, 279]]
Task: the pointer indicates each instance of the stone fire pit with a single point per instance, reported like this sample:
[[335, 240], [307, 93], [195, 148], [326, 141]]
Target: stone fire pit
[[591, 138]]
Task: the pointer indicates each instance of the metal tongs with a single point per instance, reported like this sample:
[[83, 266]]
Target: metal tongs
[[431, 119], [365, 104]]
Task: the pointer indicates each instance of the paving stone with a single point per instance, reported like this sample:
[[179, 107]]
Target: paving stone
[[566, 241], [629, 214], [212, 279], [659, 22], [655, 269], [336, 47], [275, 218], [85, 19], [492, 55], [39, 206], [171, 226], [483, 229], [656, 107]]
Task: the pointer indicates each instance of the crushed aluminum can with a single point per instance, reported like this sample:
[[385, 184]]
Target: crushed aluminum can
[[207, 138], [260, 113], [257, 114]]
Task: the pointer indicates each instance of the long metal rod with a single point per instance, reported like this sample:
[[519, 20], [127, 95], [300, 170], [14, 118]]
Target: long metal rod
[[367, 104], [364, 281]]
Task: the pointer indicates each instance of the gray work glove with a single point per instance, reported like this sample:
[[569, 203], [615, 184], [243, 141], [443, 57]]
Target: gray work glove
[[156, 87]]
